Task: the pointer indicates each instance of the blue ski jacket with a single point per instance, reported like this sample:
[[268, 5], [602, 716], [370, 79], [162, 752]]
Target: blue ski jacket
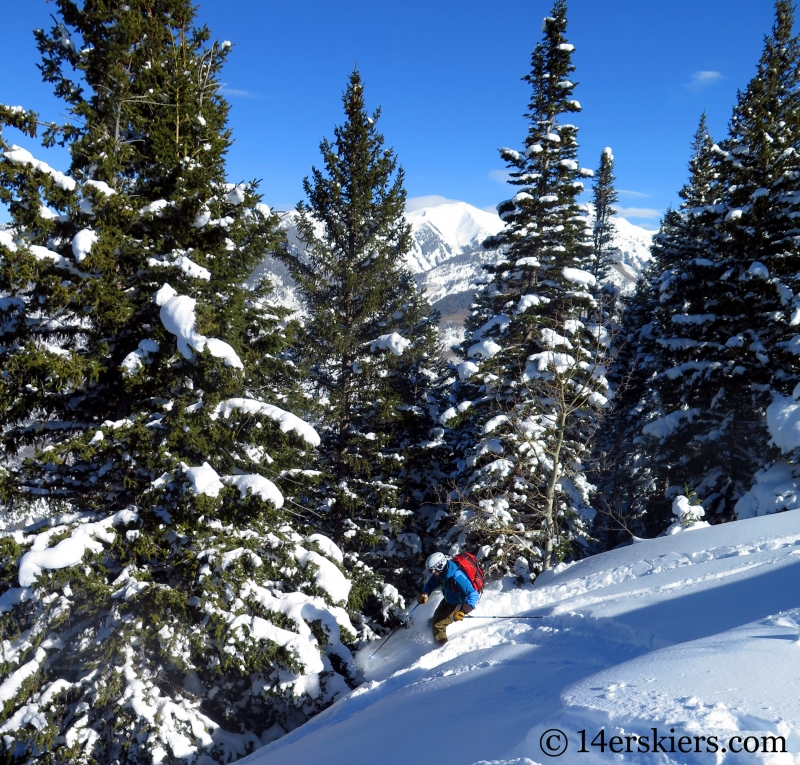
[[456, 588]]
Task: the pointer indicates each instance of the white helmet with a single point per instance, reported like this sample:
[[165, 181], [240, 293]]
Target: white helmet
[[436, 562]]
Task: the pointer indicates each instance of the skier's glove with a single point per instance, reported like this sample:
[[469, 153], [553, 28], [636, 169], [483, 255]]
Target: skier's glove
[[422, 599], [458, 616]]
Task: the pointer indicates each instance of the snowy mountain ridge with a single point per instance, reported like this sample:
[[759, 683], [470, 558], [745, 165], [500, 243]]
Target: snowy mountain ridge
[[447, 256], [445, 230], [695, 635]]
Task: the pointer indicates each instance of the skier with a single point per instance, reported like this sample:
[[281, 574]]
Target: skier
[[460, 595]]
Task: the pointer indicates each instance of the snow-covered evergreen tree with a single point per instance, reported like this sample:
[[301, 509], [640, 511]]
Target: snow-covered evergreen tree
[[724, 322], [533, 378], [622, 473], [633, 487], [604, 197], [172, 605], [370, 345]]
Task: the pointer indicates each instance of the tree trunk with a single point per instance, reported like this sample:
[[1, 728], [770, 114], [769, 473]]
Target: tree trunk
[[344, 424], [549, 514]]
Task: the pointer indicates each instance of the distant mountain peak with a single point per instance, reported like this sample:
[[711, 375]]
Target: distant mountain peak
[[461, 223], [447, 255]]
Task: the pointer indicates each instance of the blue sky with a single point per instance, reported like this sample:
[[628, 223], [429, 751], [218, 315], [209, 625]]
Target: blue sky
[[447, 76]]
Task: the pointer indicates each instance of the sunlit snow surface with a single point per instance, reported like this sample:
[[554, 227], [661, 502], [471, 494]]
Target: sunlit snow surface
[[695, 631]]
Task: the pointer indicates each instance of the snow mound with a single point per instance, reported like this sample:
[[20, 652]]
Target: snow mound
[[252, 483], [328, 546], [70, 551], [393, 342], [486, 349], [203, 479], [775, 489], [179, 318], [286, 420], [578, 276], [783, 421], [20, 156], [82, 244], [328, 577]]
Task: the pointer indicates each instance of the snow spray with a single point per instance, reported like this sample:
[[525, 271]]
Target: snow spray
[[403, 623]]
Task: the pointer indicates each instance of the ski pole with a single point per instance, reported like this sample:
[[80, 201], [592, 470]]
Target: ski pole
[[470, 616], [403, 623]]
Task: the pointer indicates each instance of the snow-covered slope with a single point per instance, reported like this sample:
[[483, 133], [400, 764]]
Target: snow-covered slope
[[633, 253], [696, 635], [446, 230], [448, 257], [448, 254]]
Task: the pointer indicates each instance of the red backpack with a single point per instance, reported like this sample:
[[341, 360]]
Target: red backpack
[[468, 563]]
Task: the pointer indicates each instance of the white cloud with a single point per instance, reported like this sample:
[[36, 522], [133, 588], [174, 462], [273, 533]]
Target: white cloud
[[500, 176], [236, 93], [638, 212], [429, 200], [637, 194], [702, 79]]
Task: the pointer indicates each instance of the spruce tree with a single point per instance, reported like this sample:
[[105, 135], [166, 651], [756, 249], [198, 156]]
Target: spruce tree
[[172, 605], [623, 468], [370, 346], [604, 197], [532, 380], [633, 490], [726, 309]]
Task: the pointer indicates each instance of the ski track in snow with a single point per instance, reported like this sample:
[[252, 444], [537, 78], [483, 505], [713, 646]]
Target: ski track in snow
[[695, 631]]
